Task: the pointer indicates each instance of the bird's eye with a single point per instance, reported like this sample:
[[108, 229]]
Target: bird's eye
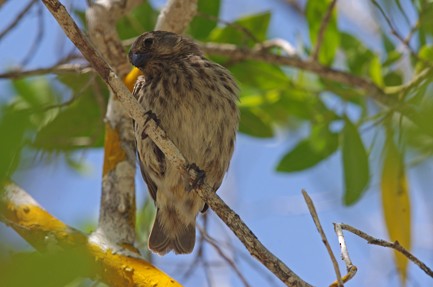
[[148, 42]]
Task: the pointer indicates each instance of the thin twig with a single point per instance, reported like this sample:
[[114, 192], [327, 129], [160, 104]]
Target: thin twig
[[316, 220], [37, 38], [403, 40], [322, 29], [158, 136], [56, 69], [350, 268], [280, 43], [218, 249], [394, 245], [17, 19]]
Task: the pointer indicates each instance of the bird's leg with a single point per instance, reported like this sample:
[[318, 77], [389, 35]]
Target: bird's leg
[[149, 115], [199, 178]]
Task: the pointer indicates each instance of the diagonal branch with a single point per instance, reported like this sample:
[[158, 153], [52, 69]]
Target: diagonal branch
[[322, 29], [254, 246], [325, 241], [17, 19]]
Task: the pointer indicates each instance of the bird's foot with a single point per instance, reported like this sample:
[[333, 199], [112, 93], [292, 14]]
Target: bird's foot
[[199, 178], [149, 116]]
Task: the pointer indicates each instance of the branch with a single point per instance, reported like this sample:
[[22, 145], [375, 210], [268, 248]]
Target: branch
[[322, 29], [316, 220], [350, 268], [46, 233], [394, 245], [117, 208], [259, 54], [158, 136], [176, 15], [56, 69], [17, 19]]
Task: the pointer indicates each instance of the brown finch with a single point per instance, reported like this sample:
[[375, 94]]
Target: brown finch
[[194, 101]]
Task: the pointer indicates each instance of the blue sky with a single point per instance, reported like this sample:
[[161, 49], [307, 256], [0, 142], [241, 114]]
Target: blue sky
[[270, 203]]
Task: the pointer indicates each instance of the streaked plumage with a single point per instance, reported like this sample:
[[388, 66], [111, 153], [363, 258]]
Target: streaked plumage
[[195, 102]]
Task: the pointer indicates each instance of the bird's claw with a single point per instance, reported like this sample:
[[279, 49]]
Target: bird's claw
[[199, 178], [149, 115]]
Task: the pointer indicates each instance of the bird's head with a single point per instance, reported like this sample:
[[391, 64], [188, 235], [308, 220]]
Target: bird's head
[[160, 45]]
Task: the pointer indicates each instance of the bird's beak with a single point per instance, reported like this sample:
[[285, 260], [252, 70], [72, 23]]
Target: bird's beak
[[139, 60]]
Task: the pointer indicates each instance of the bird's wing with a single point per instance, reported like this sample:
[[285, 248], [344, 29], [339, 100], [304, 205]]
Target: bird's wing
[[151, 186]]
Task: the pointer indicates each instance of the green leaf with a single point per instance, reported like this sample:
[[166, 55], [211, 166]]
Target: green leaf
[[255, 125], [358, 56], [79, 124], [46, 269], [355, 164], [376, 71], [315, 11], [307, 153], [245, 31], [426, 54], [393, 78], [15, 126], [138, 21], [35, 95], [202, 24], [260, 75]]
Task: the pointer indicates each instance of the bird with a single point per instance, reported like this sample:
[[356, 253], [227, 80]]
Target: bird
[[194, 100]]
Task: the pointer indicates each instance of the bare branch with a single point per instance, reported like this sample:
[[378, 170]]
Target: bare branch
[[117, 208], [350, 268], [221, 253], [37, 38], [394, 245], [56, 69], [280, 43], [184, 11], [322, 29], [316, 220], [17, 19], [158, 136]]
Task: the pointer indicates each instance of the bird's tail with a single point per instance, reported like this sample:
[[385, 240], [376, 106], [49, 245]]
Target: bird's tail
[[174, 235]]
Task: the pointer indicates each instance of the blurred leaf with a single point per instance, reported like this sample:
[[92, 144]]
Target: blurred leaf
[[396, 202], [260, 75], [375, 72], [138, 21], [358, 57], [309, 152], [202, 25], [425, 25], [15, 126], [53, 269], [36, 95], [254, 125], [388, 44], [391, 58], [21, 118], [315, 11], [79, 124], [425, 53], [355, 163], [245, 31], [393, 78]]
